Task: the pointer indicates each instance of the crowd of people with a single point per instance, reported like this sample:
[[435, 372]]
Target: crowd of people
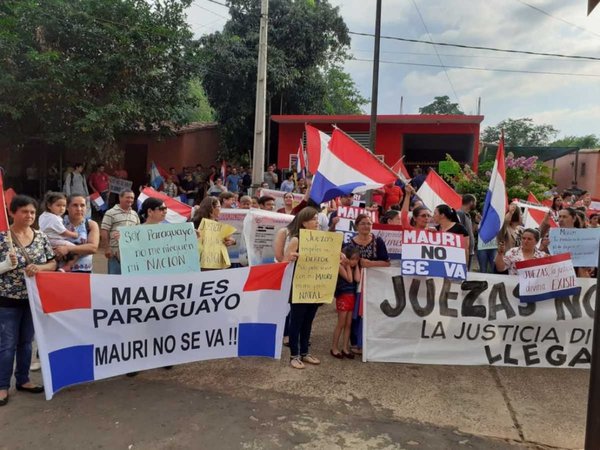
[[67, 241]]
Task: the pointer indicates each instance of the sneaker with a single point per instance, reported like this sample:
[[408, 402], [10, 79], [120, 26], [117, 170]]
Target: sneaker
[[296, 363], [310, 359], [35, 366]]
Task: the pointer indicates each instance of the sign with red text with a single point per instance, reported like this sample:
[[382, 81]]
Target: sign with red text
[[348, 215], [433, 254], [546, 278]]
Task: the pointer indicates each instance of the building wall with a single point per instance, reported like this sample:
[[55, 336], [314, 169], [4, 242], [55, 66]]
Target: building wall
[[588, 170], [389, 137]]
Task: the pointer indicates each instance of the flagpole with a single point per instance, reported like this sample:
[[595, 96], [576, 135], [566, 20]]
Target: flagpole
[[11, 246], [592, 426]]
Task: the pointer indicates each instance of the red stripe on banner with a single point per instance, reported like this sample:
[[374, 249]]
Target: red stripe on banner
[[542, 261], [267, 276], [64, 291], [359, 158], [387, 226], [178, 207]]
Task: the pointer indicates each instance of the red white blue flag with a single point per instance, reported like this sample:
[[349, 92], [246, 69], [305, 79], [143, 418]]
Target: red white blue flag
[[495, 204], [435, 191]]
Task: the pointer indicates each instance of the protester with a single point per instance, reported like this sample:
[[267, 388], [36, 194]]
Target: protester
[[288, 203], [52, 225], [246, 182], [557, 203], [267, 203], [301, 314], [189, 188], [271, 178], [75, 182], [227, 199], [99, 182], [447, 222], [245, 202], [233, 180], [210, 208], [506, 259], [31, 253], [217, 188], [486, 254], [120, 215], [170, 188], [594, 219], [345, 201], [345, 297], [392, 195], [391, 217], [373, 253], [88, 232], [288, 184], [254, 202], [512, 227], [469, 202]]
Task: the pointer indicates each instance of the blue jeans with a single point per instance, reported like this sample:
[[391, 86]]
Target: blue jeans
[[486, 258], [301, 319], [16, 336], [114, 266]]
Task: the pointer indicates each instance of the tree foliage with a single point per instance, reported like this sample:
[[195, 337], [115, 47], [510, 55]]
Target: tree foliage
[[587, 141], [307, 42], [520, 133], [441, 105], [80, 72]]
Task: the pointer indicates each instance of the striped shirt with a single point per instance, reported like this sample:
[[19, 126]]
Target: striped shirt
[[117, 217]]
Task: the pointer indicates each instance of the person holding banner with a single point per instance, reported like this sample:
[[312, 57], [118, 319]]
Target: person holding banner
[[29, 253], [511, 230], [210, 208], [302, 315], [153, 211], [507, 259]]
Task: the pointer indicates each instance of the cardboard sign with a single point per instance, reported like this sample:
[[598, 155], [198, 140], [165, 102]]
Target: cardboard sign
[[213, 252], [546, 278], [581, 243], [317, 267], [162, 248], [433, 254]]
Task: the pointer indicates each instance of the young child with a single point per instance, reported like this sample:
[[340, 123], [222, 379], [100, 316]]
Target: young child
[[51, 223], [345, 295]]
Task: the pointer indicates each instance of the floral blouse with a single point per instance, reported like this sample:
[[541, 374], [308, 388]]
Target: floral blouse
[[515, 255], [12, 283]]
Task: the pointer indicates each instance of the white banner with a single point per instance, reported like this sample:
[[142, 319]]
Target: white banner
[[118, 324], [235, 218], [278, 196], [260, 227], [477, 322]]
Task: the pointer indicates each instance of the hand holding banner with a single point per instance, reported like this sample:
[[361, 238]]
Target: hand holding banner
[[317, 268]]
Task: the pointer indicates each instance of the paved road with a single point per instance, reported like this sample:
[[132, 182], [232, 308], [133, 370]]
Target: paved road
[[263, 404]]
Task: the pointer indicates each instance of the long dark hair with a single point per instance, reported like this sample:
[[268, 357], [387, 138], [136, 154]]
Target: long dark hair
[[205, 209], [448, 212], [304, 215]]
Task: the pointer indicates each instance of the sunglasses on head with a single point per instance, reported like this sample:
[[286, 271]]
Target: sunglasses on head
[[162, 208]]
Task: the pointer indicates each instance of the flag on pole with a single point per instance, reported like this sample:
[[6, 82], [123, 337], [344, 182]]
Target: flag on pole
[[435, 191], [98, 201], [347, 168], [494, 207], [301, 161], [400, 169], [3, 208], [317, 143], [177, 212], [223, 170], [156, 179]]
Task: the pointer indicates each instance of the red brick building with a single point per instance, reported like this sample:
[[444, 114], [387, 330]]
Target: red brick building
[[423, 140]]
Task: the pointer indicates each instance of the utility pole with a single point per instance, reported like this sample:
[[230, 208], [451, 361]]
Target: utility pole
[[592, 426], [258, 158], [375, 89]]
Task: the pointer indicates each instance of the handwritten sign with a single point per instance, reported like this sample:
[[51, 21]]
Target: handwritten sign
[[116, 185], [582, 243], [162, 248], [213, 252], [392, 237], [317, 267], [546, 278], [433, 254]]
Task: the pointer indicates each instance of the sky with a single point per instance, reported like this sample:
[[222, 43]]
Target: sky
[[569, 101]]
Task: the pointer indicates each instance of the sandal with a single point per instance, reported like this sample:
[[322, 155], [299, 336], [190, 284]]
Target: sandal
[[310, 359], [348, 355], [296, 363], [337, 355]]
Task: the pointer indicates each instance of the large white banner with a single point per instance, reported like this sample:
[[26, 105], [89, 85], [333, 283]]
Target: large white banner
[[260, 227], [112, 324], [476, 322], [235, 218]]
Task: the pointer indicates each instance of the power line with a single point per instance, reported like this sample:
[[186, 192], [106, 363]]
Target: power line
[[476, 47], [546, 13], [219, 3], [436, 52], [212, 12], [485, 69]]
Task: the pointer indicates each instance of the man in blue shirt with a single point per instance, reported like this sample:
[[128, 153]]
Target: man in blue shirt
[[232, 182]]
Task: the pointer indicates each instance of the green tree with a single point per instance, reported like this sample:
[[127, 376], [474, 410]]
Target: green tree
[[587, 141], [441, 105], [307, 41], [81, 72], [200, 110], [520, 133]]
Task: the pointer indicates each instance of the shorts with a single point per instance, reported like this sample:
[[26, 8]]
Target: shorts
[[345, 302]]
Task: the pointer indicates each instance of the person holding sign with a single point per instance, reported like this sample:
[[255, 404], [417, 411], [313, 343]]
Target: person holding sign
[[447, 221], [209, 209], [29, 252], [421, 216], [506, 260], [301, 314]]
